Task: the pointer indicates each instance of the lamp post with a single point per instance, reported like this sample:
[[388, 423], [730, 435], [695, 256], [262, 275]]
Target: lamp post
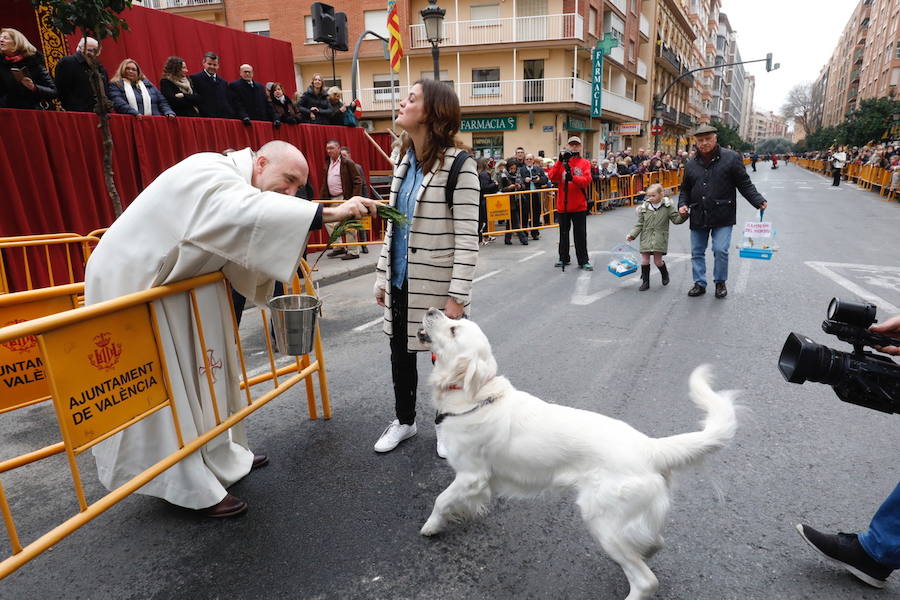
[[433, 17]]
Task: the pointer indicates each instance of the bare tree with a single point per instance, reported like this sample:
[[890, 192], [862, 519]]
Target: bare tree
[[798, 106]]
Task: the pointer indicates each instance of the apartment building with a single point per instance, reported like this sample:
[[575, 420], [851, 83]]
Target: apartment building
[[865, 63], [747, 106], [674, 42], [521, 68], [766, 125]]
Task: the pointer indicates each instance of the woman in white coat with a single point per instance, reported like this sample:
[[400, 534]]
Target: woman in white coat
[[430, 261]]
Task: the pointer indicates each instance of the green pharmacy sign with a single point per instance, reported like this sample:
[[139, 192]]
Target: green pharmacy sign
[[602, 48], [489, 124]]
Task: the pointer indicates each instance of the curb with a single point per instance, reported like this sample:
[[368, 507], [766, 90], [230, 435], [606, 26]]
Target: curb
[[345, 274]]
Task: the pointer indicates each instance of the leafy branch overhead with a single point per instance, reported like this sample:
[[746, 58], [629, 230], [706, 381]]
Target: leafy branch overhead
[[98, 18]]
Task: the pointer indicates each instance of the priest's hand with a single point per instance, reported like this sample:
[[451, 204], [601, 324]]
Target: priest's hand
[[353, 208]]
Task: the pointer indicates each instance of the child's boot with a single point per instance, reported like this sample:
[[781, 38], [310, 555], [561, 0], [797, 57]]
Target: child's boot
[[665, 274], [645, 278]]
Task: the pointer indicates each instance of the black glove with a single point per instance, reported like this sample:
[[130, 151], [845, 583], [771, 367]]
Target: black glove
[[568, 175], [276, 123], [560, 159], [246, 121]]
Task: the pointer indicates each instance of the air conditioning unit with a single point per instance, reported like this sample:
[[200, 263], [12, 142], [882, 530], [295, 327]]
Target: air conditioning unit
[[367, 124]]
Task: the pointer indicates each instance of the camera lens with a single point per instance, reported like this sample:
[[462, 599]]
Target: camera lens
[[861, 314], [802, 359]]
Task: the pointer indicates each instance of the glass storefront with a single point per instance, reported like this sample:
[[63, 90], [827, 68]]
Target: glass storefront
[[488, 145]]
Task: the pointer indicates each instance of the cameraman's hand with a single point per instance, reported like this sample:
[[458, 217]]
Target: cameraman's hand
[[891, 327]]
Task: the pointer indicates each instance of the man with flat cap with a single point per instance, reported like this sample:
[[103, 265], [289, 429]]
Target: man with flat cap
[[708, 193]]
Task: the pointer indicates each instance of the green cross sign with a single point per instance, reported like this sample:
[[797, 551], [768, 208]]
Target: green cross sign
[[602, 48]]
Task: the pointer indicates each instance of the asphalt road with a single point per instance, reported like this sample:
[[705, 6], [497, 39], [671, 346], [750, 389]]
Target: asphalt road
[[329, 518]]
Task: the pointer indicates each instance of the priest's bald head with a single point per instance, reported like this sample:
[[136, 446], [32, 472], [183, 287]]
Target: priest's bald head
[[279, 167]]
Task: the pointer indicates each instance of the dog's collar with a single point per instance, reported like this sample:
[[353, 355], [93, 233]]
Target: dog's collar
[[439, 417]]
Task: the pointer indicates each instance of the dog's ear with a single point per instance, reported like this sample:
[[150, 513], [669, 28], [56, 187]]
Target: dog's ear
[[478, 371]]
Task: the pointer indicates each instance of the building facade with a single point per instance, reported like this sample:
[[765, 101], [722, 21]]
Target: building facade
[[522, 69], [747, 106], [865, 63], [766, 125]]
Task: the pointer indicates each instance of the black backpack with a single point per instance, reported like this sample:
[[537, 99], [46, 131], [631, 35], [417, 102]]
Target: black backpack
[[453, 177]]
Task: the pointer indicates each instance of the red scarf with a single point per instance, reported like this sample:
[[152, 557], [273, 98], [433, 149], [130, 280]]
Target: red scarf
[[14, 58]]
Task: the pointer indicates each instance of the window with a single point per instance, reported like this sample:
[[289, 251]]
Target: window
[[488, 13], [486, 82], [376, 20], [614, 24], [259, 27], [445, 76], [592, 21], [382, 85], [631, 56], [327, 83], [307, 20], [897, 53]]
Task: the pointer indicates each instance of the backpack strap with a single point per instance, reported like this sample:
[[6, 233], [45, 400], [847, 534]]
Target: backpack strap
[[453, 177]]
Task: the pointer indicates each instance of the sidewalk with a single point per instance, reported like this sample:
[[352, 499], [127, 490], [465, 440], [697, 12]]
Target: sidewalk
[[332, 270]]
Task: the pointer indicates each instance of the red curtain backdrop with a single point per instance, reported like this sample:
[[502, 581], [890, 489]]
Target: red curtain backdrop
[[51, 172]]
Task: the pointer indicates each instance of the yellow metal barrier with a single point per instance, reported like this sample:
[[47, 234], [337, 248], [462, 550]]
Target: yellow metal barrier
[[499, 209], [65, 340], [866, 177], [21, 250]]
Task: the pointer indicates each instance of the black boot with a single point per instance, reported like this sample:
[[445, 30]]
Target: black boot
[[662, 271], [645, 278]]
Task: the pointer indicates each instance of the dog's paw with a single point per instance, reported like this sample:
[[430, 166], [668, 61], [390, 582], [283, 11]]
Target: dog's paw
[[431, 527]]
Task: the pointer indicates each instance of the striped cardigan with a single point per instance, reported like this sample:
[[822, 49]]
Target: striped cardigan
[[443, 244]]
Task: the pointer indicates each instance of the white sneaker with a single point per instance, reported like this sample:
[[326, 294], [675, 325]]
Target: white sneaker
[[441, 448], [393, 435]]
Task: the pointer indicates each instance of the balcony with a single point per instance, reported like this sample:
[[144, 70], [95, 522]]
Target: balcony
[[620, 104], [644, 27], [618, 55], [669, 60], [164, 4], [858, 56], [685, 120], [543, 28], [854, 75], [494, 93], [669, 114], [641, 68]]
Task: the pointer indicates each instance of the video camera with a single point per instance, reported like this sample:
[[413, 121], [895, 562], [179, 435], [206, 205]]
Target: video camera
[[565, 155], [860, 377]]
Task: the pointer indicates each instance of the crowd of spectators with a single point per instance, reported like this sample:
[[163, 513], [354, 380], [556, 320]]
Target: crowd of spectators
[[882, 156], [26, 83]]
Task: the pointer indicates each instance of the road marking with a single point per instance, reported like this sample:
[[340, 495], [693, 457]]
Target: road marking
[[279, 362], [530, 256], [876, 278], [580, 296], [365, 326], [486, 275]]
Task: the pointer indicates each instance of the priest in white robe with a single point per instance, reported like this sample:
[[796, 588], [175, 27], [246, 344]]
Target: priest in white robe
[[234, 213]]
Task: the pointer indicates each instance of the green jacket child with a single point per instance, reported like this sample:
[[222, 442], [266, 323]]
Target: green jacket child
[[654, 215]]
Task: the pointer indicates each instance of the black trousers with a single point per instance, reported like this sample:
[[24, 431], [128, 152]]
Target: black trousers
[[836, 174], [403, 362], [578, 221], [516, 222], [531, 212]]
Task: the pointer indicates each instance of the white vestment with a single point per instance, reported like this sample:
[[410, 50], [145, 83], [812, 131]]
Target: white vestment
[[200, 216]]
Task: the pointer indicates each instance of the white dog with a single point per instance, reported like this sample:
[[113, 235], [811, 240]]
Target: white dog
[[504, 442]]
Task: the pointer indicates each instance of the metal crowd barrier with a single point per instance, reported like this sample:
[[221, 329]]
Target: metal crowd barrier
[[867, 177], [50, 355], [27, 252]]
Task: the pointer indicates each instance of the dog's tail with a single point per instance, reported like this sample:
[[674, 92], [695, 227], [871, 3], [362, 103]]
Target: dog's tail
[[718, 427]]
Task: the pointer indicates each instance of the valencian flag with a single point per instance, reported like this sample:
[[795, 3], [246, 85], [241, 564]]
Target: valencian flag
[[395, 45]]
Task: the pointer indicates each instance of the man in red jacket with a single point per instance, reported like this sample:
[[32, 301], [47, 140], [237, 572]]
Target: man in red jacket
[[572, 175]]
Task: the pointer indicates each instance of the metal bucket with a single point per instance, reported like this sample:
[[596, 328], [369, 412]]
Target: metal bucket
[[294, 320]]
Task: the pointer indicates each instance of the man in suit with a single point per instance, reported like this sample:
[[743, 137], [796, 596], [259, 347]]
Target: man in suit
[[248, 98], [212, 89], [340, 180], [533, 178], [73, 81]]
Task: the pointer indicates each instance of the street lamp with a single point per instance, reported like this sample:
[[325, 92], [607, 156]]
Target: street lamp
[[433, 17]]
